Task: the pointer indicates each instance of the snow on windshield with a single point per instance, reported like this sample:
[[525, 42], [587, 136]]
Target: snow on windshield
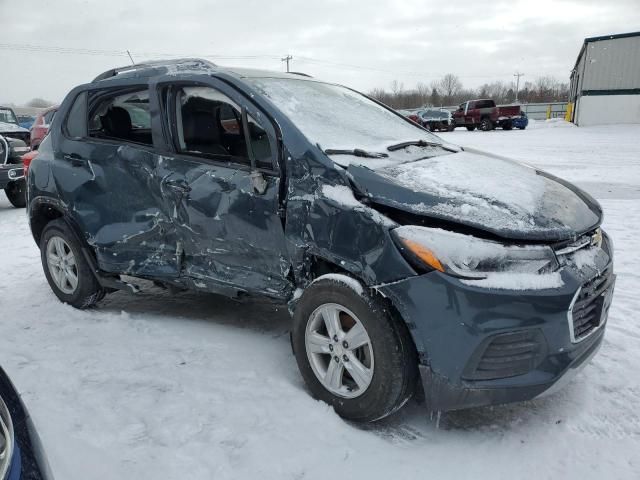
[[338, 118]]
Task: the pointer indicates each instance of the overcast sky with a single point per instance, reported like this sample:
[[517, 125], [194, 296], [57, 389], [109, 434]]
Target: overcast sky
[[360, 43]]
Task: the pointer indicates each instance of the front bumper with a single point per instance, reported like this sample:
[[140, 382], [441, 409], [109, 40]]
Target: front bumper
[[454, 324]]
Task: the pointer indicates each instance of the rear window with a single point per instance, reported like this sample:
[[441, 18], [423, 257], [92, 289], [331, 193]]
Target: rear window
[[76, 124], [121, 116], [485, 104]]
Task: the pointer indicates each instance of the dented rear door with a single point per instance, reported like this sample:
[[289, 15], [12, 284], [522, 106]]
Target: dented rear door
[[112, 194]]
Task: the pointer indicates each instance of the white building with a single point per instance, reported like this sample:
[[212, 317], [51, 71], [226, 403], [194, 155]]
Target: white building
[[605, 82]]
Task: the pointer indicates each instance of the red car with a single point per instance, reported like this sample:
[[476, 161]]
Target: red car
[[40, 126], [485, 115]]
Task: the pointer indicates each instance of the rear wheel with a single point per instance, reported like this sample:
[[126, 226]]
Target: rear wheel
[[471, 128], [17, 193], [507, 126], [68, 273], [486, 124], [352, 354]]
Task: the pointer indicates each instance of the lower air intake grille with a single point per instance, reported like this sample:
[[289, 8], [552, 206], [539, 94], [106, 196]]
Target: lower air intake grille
[[589, 306], [507, 355]]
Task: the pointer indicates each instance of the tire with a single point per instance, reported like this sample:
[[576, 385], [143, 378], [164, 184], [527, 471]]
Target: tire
[[392, 367], [486, 124], [507, 126], [87, 291], [17, 193], [471, 128], [432, 127], [521, 128], [451, 128]]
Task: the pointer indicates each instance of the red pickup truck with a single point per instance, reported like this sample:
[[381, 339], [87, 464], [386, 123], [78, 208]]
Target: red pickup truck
[[485, 115]]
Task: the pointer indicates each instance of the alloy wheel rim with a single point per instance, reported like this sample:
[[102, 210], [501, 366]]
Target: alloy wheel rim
[[62, 265], [339, 350]]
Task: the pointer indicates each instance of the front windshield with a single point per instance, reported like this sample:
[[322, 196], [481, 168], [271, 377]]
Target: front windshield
[[7, 116], [338, 118]]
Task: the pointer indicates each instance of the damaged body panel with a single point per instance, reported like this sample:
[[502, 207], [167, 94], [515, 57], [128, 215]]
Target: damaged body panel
[[491, 277]]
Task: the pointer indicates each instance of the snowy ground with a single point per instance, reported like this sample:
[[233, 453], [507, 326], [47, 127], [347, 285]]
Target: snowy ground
[[201, 387]]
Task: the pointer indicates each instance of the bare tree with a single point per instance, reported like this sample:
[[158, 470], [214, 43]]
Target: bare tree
[[39, 103], [450, 85]]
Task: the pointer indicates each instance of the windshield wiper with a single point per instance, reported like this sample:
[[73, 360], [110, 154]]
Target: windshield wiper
[[419, 143], [357, 152]]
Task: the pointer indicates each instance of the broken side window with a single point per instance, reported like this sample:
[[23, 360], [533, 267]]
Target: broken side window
[[209, 124], [121, 116]]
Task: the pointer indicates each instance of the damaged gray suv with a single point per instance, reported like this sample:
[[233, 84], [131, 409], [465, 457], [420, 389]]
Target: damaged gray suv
[[410, 266]]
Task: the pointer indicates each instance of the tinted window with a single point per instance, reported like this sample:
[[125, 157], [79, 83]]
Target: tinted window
[[209, 124], [76, 125], [121, 116], [485, 104]]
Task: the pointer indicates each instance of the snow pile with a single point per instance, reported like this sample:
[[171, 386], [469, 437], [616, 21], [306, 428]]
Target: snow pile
[[550, 123]]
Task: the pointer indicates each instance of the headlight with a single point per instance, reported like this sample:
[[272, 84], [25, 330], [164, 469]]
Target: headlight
[[471, 257]]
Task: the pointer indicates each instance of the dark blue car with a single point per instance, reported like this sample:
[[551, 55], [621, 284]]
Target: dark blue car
[[21, 454], [520, 122], [407, 263]]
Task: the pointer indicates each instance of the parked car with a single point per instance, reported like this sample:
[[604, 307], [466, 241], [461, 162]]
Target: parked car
[[485, 115], [41, 125], [437, 119], [25, 121], [21, 453], [411, 115], [9, 126], [521, 122], [406, 262], [12, 171]]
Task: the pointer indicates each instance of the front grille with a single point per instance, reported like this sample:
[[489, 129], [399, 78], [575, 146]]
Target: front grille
[[590, 306], [24, 136], [507, 355]]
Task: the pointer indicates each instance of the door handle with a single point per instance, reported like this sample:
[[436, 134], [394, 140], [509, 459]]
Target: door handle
[[178, 186], [75, 159]]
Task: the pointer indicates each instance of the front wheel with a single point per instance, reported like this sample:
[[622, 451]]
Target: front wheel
[[352, 354], [67, 271], [471, 128], [17, 193]]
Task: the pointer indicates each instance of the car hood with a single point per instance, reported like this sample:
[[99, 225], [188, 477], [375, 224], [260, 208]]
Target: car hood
[[11, 127], [483, 191]]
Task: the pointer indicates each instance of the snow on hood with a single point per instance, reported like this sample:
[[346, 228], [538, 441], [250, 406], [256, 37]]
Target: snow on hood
[[11, 127], [483, 191]]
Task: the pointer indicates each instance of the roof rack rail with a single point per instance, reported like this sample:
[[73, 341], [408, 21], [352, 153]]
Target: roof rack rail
[[152, 64]]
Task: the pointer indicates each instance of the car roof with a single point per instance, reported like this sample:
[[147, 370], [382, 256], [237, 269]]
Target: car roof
[[189, 66]]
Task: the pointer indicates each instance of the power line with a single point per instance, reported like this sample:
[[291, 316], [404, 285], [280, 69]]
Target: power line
[[304, 59]]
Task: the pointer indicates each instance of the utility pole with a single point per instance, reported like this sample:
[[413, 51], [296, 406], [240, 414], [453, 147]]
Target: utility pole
[[517, 75], [287, 59]]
